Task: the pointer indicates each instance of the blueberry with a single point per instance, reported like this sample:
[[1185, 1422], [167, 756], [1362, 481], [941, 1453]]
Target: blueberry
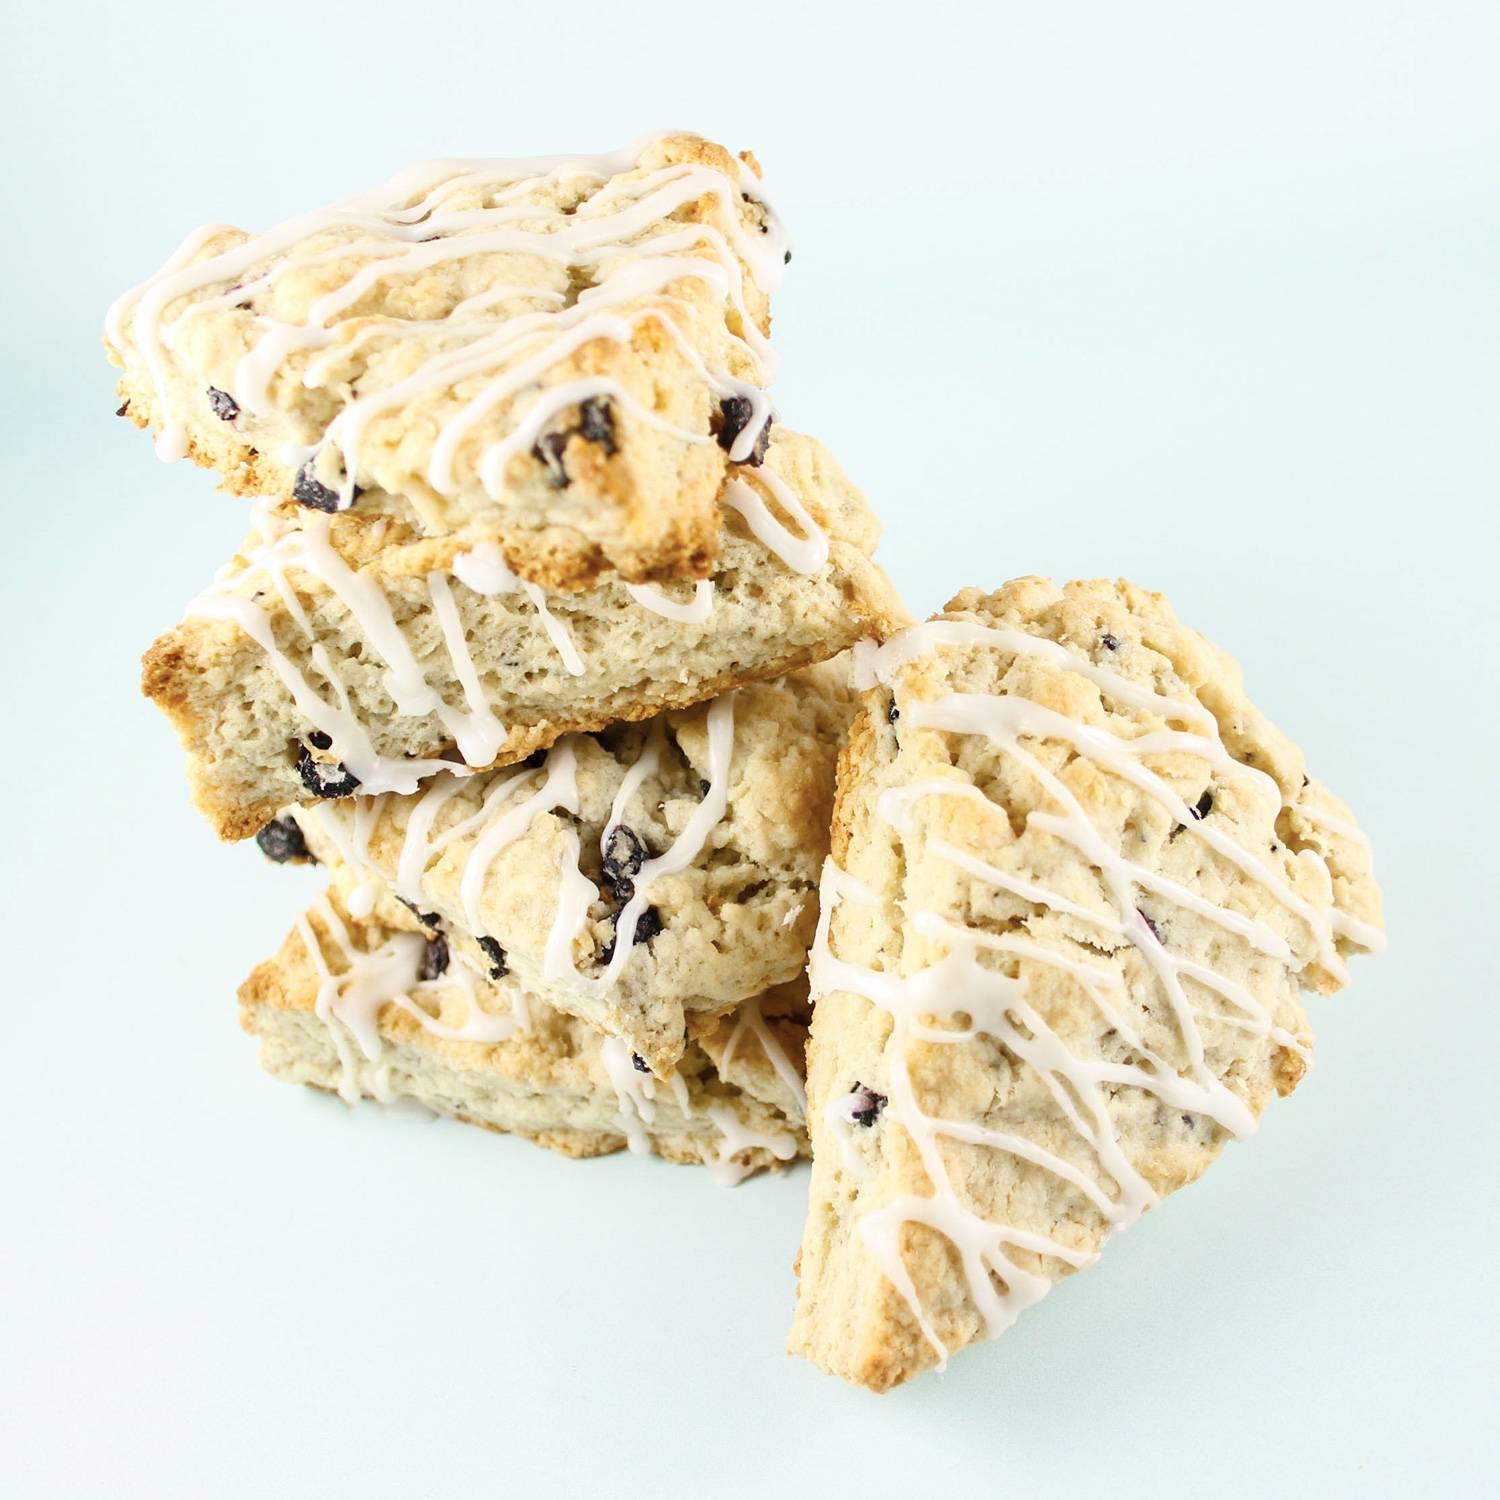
[[639, 1063], [320, 741], [434, 958], [624, 854], [322, 779], [1109, 642], [123, 409], [429, 919], [281, 841], [647, 926], [786, 259], [1204, 806], [1151, 926], [499, 965], [1189, 1122], [226, 408], [868, 1105], [549, 450], [309, 490], [735, 415], [596, 424], [893, 713]]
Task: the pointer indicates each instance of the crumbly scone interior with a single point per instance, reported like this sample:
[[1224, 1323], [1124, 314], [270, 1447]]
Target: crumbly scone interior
[[345, 650], [646, 879], [370, 1007], [1077, 885]]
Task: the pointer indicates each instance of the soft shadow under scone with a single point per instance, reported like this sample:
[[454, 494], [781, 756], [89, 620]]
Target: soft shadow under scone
[[375, 1008], [1077, 885]]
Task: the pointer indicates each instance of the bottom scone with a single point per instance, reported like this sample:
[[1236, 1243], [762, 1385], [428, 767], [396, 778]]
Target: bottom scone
[[363, 1008], [1077, 886]]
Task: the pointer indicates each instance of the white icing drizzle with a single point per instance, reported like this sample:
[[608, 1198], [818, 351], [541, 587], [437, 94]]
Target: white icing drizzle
[[749, 1017], [572, 910], [557, 632], [803, 554], [409, 226], [695, 612], [349, 1003], [739, 1137], [959, 985], [483, 568], [635, 1094]]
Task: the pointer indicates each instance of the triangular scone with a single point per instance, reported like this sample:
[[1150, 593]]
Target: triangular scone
[[1077, 884], [345, 651], [560, 355], [700, 833], [362, 1008]]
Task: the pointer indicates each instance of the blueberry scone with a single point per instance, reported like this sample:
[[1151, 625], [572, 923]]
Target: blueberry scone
[[368, 1009], [346, 651], [1078, 885], [558, 356], [646, 878]]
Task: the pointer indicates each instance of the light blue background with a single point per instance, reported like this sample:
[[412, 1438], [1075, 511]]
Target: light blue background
[[1200, 294]]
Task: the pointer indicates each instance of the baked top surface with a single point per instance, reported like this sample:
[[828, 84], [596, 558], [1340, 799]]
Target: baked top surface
[[1078, 885], [563, 353]]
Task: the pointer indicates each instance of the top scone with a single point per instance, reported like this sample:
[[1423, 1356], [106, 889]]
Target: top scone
[[558, 354]]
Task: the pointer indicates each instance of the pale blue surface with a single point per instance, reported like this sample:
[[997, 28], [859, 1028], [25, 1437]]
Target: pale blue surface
[[1200, 294]]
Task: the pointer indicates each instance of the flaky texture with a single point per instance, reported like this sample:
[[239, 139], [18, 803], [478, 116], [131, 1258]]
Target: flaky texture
[[343, 601], [351, 1014], [547, 354], [700, 835], [1078, 883]]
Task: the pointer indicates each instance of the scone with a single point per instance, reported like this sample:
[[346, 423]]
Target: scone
[[646, 879], [560, 356], [1078, 884], [361, 1008], [344, 651]]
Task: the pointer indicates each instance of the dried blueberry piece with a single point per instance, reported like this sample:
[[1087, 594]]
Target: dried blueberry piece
[[648, 925], [786, 259], [596, 423], [429, 919], [624, 854], [322, 779], [1150, 925], [320, 741], [434, 958], [499, 964], [281, 841], [892, 713], [123, 409], [639, 1063], [867, 1105], [309, 490], [1109, 642], [1203, 807], [1190, 1122], [735, 415], [549, 450], [226, 408]]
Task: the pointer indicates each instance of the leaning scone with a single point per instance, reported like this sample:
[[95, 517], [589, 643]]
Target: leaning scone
[[1078, 885]]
